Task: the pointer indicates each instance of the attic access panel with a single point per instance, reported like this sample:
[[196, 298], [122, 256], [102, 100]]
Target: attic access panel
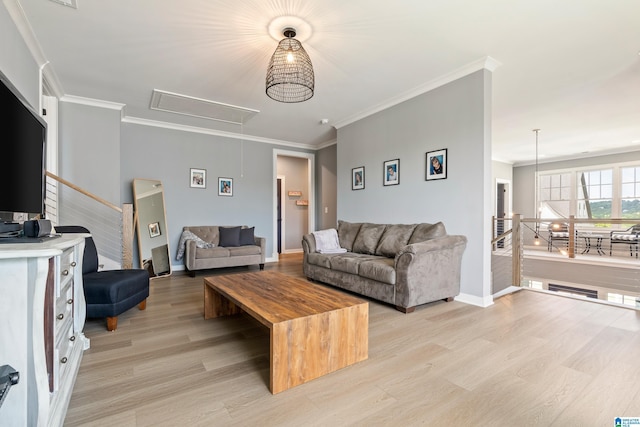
[[198, 107]]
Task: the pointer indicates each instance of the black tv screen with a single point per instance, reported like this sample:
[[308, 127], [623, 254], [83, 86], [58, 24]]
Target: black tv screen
[[22, 153]]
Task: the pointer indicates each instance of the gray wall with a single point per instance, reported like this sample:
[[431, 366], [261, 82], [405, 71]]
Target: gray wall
[[326, 183], [16, 61], [168, 155], [455, 116], [295, 171]]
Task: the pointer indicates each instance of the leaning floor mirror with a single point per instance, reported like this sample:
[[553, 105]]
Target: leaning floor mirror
[[151, 223]]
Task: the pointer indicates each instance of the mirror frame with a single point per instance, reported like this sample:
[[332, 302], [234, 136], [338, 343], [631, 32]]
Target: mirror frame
[[155, 225]]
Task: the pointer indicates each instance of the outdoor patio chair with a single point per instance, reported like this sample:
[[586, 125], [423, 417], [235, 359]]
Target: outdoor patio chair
[[558, 232], [628, 237]]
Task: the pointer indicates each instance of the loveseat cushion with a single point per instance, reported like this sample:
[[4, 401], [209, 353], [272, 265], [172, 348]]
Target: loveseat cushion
[[425, 232], [395, 237], [229, 236], [247, 236], [349, 262], [217, 252], [207, 233], [347, 232], [368, 237], [380, 269], [244, 250]]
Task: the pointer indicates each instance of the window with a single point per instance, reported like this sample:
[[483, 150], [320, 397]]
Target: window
[[595, 193], [630, 185], [623, 299], [555, 195], [600, 192]]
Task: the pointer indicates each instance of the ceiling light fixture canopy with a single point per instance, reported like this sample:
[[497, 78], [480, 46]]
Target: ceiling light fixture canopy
[[290, 75]]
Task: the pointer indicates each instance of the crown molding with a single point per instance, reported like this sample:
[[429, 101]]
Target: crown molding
[[206, 131], [486, 63], [92, 102]]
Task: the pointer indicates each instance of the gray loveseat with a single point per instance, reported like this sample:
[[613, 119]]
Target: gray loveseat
[[401, 264], [217, 247]]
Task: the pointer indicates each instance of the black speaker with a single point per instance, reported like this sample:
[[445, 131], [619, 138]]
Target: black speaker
[[37, 228]]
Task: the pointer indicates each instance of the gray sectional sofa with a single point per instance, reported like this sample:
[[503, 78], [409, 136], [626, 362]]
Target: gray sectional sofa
[[404, 265], [214, 247]]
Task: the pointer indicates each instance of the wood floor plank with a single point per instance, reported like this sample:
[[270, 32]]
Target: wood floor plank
[[529, 359]]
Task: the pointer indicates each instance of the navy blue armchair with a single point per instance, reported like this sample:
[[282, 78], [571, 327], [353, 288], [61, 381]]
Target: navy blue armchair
[[109, 293]]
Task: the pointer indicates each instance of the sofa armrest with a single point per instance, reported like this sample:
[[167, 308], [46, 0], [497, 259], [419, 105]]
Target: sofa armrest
[[429, 270], [262, 242], [190, 254], [308, 243]]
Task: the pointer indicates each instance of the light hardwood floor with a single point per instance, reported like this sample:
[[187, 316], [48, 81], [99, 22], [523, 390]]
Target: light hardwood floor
[[530, 359]]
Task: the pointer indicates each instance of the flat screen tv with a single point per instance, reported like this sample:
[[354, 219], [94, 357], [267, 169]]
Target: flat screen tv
[[23, 136]]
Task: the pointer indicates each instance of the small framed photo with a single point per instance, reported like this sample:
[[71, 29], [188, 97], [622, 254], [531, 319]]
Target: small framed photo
[[391, 172], [154, 229], [357, 178], [198, 178], [225, 186], [436, 164]]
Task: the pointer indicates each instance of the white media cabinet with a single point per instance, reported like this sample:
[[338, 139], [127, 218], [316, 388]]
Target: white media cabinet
[[42, 318]]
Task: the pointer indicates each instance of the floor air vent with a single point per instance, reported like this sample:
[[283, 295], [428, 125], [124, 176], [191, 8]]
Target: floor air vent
[[589, 293]]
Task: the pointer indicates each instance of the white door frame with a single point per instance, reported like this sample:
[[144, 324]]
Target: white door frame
[[312, 193], [282, 214]]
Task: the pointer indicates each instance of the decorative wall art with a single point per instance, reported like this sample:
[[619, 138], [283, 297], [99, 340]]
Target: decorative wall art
[[357, 178], [391, 172], [198, 178], [154, 229], [225, 186], [436, 164]]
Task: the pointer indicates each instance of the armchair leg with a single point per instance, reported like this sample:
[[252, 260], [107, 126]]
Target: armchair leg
[[143, 305], [112, 323]]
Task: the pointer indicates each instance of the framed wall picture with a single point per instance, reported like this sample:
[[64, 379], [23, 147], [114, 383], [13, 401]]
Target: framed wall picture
[[357, 178], [391, 172], [154, 229], [198, 178], [225, 186], [436, 164]]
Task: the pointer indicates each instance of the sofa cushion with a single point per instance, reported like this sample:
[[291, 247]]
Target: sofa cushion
[[244, 250], [425, 231], [348, 262], [321, 260], [217, 252], [381, 270], [395, 237], [247, 236], [368, 237], [229, 236], [347, 232]]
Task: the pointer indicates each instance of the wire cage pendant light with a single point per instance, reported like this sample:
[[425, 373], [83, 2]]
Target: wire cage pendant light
[[290, 75]]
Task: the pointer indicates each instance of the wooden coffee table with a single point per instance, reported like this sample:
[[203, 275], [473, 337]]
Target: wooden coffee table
[[314, 330]]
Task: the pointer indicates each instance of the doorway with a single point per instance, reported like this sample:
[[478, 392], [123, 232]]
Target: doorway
[[280, 198], [503, 208]]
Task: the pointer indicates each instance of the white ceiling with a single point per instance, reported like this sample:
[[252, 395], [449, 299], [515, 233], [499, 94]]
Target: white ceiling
[[570, 68]]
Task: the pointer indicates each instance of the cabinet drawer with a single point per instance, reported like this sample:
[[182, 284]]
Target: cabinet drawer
[[65, 269], [63, 313], [63, 352]]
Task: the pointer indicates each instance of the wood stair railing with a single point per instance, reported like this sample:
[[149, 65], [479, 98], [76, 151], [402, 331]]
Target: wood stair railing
[[127, 219]]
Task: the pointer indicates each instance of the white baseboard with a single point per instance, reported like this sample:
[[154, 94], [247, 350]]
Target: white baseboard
[[474, 300]]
